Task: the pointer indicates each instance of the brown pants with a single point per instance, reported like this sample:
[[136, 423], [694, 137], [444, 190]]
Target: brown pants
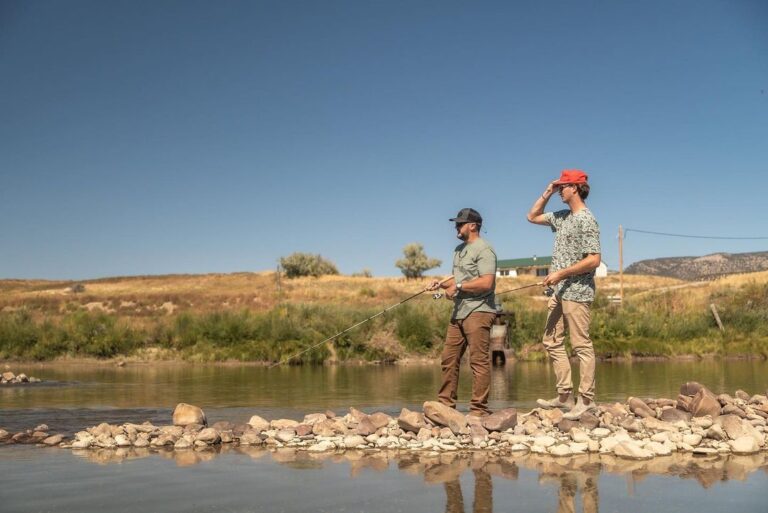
[[576, 317], [473, 332]]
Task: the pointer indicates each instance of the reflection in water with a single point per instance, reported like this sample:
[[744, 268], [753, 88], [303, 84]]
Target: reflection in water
[[575, 477]]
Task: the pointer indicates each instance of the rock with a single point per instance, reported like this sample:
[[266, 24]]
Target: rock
[[660, 437], [615, 409], [285, 435], [560, 450], [22, 378], [227, 437], [581, 448], [741, 394], [673, 415], [684, 403], [578, 435], [174, 431], [600, 432], [101, 429], [639, 408], [732, 409], [304, 429], [690, 388], [478, 433], [658, 449], [632, 451], [424, 434], [702, 422], [501, 420], [705, 403], [250, 438], [9, 376], [208, 435], [222, 425], [735, 428], [654, 424], [555, 415], [329, 428], [412, 421], [365, 427], [589, 420], [707, 451], [81, 444], [744, 445], [182, 443], [185, 414], [724, 399], [443, 415], [4, 435], [322, 446], [379, 419], [693, 439], [283, 424], [593, 446], [631, 424], [353, 441], [122, 441], [53, 440], [314, 418], [716, 432], [544, 441], [258, 423]]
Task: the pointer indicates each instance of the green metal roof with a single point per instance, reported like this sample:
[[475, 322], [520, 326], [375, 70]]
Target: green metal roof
[[524, 262]]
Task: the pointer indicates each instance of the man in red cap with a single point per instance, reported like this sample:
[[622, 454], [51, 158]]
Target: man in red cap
[[575, 257]]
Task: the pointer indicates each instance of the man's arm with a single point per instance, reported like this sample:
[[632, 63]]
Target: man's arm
[[536, 213], [585, 265], [479, 285]]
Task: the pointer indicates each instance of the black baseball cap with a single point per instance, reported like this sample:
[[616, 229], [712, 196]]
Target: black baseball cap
[[468, 215]]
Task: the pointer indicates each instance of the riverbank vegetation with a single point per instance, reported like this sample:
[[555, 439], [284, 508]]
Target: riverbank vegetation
[[256, 317]]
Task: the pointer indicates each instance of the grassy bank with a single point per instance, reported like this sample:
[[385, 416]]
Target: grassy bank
[[253, 317]]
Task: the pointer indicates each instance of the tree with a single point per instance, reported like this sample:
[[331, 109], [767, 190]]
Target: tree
[[416, 261], [306, 264]]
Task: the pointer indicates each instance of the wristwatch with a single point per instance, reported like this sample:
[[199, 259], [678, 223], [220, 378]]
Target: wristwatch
[[458, 287]]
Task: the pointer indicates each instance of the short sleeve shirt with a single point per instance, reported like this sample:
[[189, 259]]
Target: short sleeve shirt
[[470, 261], [576, 235]]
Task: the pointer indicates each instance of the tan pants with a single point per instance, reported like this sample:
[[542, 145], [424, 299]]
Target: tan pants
[[575, 316], [473, 332]]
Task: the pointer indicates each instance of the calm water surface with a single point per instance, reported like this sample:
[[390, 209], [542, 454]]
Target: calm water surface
[[76, 396]]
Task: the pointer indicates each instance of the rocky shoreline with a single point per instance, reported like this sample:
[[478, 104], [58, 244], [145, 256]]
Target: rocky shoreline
[[9, 378], [698, 423]]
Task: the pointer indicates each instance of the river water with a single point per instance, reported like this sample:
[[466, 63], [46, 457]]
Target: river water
[[250, 479]]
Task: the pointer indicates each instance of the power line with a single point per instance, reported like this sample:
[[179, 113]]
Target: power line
[[627, 230]]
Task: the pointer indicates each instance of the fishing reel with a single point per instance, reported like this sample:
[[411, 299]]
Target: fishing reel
[[437, 295], [549, 291]]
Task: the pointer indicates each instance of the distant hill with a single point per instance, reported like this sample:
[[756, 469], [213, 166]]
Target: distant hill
[[703, 267]]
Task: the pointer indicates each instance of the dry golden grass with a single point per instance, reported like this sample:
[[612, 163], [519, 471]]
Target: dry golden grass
[[161, 295]]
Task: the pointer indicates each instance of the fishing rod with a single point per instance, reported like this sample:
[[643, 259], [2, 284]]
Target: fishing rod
[[282, 361], [540, 283]]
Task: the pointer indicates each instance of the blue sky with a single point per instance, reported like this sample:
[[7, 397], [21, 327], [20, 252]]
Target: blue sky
[[143, 137]]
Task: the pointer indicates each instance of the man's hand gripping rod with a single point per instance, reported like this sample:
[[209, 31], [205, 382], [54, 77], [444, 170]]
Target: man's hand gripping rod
[[280, 362]]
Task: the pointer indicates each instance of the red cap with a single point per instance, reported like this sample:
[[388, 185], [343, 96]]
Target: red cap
[[572, 176]]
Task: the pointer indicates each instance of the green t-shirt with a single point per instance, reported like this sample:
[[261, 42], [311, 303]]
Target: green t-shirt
[[576, 236], [470, 261]]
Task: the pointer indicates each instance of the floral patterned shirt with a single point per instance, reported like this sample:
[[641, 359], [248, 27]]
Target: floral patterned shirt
[[576, 236]]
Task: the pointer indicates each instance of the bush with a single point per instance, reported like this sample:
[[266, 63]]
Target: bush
[[306, 264]]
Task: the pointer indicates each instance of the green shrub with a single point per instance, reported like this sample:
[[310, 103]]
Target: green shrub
[[306, 264]]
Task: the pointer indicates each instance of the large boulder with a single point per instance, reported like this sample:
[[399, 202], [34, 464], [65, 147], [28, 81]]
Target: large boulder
[[690, 388], [443, 415], [705, 403], [185, 414], [411, 421], [744, 445], [379, 419], [501, 420]]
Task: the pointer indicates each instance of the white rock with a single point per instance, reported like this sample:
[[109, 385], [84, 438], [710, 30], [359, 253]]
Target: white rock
[[692, 440], [601, 432], [322, 446], [744, 445], [658, 449], [560, 450], [578, 435], [632, 451], [352, 441], [544, 441]]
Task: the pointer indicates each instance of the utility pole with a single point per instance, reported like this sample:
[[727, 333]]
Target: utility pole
[[621, 265]]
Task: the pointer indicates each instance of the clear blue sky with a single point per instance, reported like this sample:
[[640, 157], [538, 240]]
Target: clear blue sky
[[146, 137]]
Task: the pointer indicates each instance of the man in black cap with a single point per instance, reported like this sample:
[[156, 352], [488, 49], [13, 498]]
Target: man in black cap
[[474, 310]]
